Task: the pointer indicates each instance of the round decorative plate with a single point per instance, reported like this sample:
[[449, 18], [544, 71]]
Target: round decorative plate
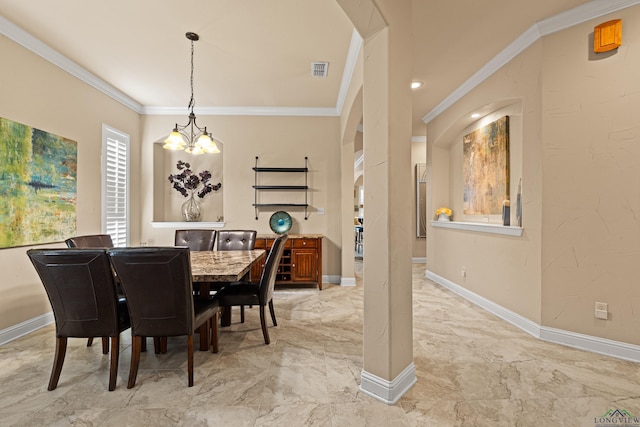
[[280, 222]]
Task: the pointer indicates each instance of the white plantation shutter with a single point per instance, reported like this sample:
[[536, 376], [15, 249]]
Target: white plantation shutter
[[115, 185]]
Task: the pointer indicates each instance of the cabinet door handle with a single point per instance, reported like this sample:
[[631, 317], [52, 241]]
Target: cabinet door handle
[[293, 265]]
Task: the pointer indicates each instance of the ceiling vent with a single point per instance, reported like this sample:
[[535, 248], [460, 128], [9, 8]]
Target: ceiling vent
[[319, 69]]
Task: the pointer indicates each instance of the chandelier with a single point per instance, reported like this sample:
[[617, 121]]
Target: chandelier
[[191, 138]]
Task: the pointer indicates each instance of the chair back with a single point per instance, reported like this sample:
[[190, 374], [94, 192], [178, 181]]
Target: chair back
[[236, 240], [81, 290], [157, 284], [196, 240], [90, 241], [268, 279]]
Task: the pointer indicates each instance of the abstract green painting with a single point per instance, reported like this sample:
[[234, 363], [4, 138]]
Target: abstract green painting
[[37, 186]]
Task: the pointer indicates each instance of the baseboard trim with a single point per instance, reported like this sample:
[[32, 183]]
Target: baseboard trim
[[16, 331], [348, 281], [617, 349], [335, 279], [385, 391]]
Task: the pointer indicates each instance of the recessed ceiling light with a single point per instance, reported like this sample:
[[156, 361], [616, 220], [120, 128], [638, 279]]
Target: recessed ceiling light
[[416, 85], [475, 115]]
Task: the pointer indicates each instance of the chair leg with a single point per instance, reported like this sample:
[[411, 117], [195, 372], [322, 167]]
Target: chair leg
[[156, 345], [89, 342], [242, 314], [263, 322], [143, 347], [113, 367], [226, 316], [105, 345], [214, 333], [273, 313], [136, 343], [58, 360], [190, 359], [204, 331]]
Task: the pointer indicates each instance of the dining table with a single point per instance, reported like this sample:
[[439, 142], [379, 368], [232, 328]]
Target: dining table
[[220, 266]]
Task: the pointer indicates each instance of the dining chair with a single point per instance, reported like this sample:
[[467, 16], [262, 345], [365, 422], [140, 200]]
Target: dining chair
[[261, 293], [82, 293], [90, 241], [196, 240], [235, 240], [93, 241], [157, 284]]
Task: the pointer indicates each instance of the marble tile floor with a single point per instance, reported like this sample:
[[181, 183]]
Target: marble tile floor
[[473, 370]]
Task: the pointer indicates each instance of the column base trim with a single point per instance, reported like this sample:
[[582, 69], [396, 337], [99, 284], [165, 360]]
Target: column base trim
[[385, 391]]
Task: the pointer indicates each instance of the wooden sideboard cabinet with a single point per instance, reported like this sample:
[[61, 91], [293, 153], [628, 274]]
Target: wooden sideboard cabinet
[[301, 261]]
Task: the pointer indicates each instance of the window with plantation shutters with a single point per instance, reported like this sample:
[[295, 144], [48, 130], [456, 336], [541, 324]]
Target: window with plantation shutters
[[115, 185]]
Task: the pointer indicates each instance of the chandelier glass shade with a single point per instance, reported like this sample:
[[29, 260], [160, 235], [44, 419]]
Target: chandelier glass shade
[[190, 137]]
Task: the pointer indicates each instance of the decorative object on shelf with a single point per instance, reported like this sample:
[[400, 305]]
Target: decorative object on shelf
[[506, 212], [519, 205], [198, 140], [190, 184], [192, 208], [280, 222], [443, 214], [257, 188]]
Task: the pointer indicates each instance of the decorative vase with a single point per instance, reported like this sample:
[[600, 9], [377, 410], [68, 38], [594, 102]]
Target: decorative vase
[[192, 209], [443, 218]]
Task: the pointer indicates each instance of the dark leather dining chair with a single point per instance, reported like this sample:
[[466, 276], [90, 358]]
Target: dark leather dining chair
[[90, 241], [235, 240], [260, 294], [82, 293], [196, 240], [157, 284], [93, 241]]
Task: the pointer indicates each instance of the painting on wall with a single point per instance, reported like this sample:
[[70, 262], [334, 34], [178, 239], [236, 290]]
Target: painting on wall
[[486, 168], [37, 186]]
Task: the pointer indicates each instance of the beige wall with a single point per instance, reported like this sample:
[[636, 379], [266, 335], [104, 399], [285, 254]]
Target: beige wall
[[277, 141], [43, 96], [504, 269], [577, 145], [591, 181], [36, 93]]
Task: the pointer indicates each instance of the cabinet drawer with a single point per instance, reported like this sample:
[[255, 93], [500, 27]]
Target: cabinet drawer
[[304, 243], [261, 244]]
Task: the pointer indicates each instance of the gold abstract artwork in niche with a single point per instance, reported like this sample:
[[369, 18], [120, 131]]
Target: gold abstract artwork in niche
[[486, 168]]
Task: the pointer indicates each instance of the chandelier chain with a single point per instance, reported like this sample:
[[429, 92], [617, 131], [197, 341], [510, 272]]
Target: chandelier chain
[[192, 101]]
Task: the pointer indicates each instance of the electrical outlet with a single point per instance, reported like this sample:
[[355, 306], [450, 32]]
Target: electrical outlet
[[463, 272], [602, 310]]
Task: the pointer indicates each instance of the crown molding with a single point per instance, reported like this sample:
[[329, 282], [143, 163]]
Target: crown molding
[[349, 67], [561, 21], [20, 36], [244, 111]]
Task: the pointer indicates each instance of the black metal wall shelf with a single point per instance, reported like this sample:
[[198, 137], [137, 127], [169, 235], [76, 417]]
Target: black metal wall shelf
[[304, 188]]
